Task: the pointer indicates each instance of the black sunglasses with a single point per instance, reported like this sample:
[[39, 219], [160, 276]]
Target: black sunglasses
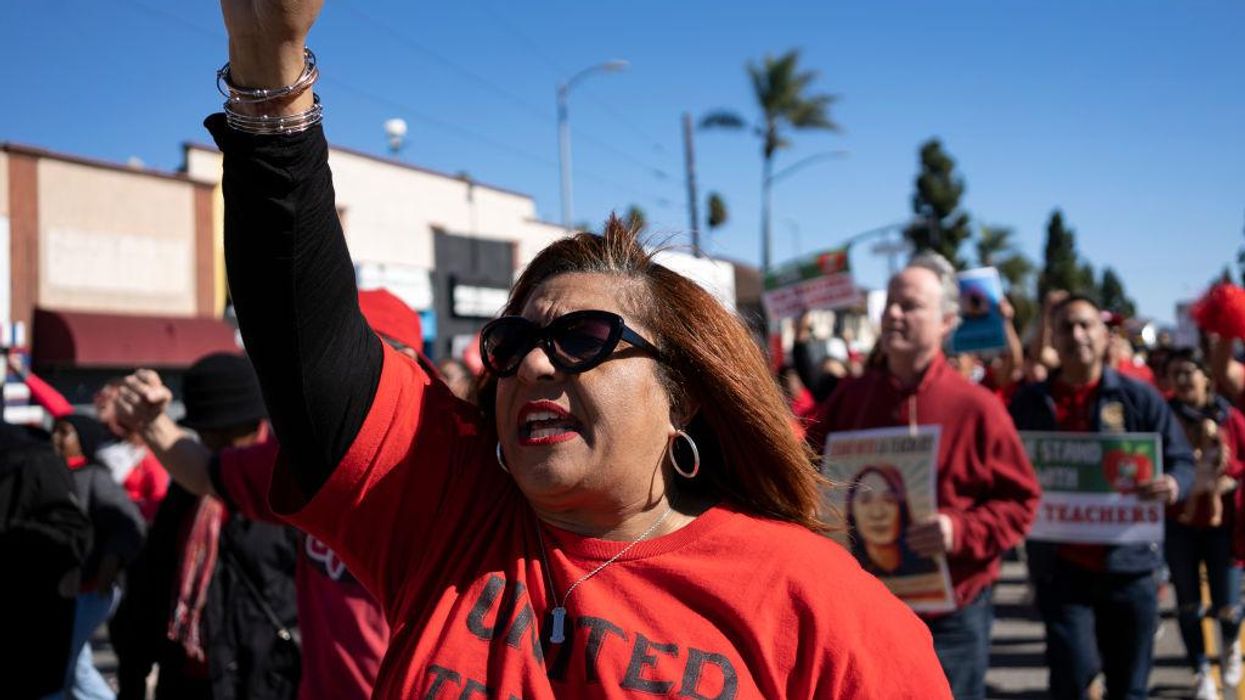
[[575, 342]]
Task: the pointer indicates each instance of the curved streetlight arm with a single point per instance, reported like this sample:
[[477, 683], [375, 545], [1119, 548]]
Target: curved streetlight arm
[[607, 67], [564, 132], [805, 162], [879, 231]]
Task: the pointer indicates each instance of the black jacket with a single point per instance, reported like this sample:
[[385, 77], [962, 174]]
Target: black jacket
[[44, 538], [245, 658], [1144, 411]]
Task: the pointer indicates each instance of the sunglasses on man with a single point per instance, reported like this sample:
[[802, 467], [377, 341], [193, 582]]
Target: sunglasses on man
[[575, 342]]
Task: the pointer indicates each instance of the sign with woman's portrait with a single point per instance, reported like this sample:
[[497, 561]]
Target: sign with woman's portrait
[[883, 483]]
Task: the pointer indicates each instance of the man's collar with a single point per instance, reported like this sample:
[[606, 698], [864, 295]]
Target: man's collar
[[937, 365]]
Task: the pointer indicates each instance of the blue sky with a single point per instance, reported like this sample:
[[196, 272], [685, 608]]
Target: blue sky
[[1130, 117]]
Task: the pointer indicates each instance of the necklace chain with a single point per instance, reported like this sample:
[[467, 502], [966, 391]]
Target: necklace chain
[[559, 610], [657, 523]]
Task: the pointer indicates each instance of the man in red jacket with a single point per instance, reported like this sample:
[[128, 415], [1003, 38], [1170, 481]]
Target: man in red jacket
[[987, 491]]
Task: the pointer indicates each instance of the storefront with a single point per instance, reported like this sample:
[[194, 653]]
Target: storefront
[[472, 281]]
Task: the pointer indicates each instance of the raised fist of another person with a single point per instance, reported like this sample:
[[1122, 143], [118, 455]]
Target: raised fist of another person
[[141, 399]]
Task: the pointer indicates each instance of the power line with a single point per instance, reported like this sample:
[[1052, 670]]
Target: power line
[[537, 50], [478, 137], [415, 114], [531, 109]]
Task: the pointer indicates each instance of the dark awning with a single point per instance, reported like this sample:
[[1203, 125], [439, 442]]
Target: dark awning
[[71, 338]]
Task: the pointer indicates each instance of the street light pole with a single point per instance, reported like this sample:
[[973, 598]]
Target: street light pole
[[689, 162], [767, 180], [564, 133]]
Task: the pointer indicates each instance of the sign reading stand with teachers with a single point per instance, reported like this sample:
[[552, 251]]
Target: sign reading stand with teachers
[[1089, 486]]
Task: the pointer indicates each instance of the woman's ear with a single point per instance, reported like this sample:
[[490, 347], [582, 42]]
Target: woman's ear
[[682, 413]]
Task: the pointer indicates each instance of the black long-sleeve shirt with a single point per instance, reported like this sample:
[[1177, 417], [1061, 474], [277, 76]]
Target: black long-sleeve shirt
[[293, 287]]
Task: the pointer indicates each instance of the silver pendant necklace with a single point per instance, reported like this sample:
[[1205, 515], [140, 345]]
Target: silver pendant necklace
[[558, 633]]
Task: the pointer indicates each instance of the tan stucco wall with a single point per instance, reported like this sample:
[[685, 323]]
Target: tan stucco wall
[[205, 166], [116, 242], [390, 210]]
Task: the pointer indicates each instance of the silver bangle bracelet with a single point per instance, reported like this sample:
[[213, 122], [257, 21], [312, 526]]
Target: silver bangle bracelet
[[242, 95], [269, 125]]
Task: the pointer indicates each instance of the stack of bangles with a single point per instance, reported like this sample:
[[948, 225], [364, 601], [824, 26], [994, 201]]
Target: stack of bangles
[[266, 124]]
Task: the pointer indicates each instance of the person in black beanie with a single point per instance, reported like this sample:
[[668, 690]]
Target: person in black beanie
[[228, 580]]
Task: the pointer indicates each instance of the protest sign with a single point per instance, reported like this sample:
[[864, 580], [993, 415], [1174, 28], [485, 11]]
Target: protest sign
[[1089, 483], [819, 281], [883, 482], [981, 320]]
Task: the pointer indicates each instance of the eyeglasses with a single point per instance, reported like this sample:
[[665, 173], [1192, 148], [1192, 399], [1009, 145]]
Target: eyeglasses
[[575, 342]]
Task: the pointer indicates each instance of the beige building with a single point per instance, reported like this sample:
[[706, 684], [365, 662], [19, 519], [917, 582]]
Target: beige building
[[88, 236], [81, 240], [390, 211]]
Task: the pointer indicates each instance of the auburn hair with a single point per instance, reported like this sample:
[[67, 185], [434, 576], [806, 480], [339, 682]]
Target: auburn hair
[[743, 427]]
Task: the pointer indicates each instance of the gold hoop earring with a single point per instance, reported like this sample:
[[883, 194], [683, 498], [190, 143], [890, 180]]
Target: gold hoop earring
[[691, 474]]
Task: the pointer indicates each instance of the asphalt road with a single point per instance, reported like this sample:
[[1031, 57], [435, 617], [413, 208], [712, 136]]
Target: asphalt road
[[1017, 666]]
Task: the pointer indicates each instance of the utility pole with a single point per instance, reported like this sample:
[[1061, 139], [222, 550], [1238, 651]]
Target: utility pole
[[689, 160], [564, 155]]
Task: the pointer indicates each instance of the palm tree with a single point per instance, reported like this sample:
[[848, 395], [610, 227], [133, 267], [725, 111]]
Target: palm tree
[[995, 248], [781, 91]]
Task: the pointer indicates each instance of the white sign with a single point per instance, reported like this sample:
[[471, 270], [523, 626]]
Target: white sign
[[1186, 330], [1089, 485], [884, 481], [413, 285], [478, 302], [716, 276]]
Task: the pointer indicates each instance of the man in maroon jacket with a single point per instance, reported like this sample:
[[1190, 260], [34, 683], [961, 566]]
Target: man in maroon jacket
[[987, 491]]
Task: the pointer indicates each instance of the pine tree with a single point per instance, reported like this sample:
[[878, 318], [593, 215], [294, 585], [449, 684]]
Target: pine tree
[[940, 226], [1112, 296], [1086, 283], [1059, 268]]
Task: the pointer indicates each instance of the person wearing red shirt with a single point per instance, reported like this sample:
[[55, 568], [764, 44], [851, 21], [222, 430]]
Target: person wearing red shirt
[[626, 514], [1099, 603], [987, 492]]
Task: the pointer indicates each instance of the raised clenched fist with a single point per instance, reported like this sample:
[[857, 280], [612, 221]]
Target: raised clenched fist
[[140, 399]]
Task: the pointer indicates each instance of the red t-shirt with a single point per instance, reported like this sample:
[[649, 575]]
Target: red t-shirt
[[1140, 372], [729, 606], [147, 484], [344, 633], [1074, 413]]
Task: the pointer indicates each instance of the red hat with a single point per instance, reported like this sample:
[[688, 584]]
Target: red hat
[[391, 317]]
